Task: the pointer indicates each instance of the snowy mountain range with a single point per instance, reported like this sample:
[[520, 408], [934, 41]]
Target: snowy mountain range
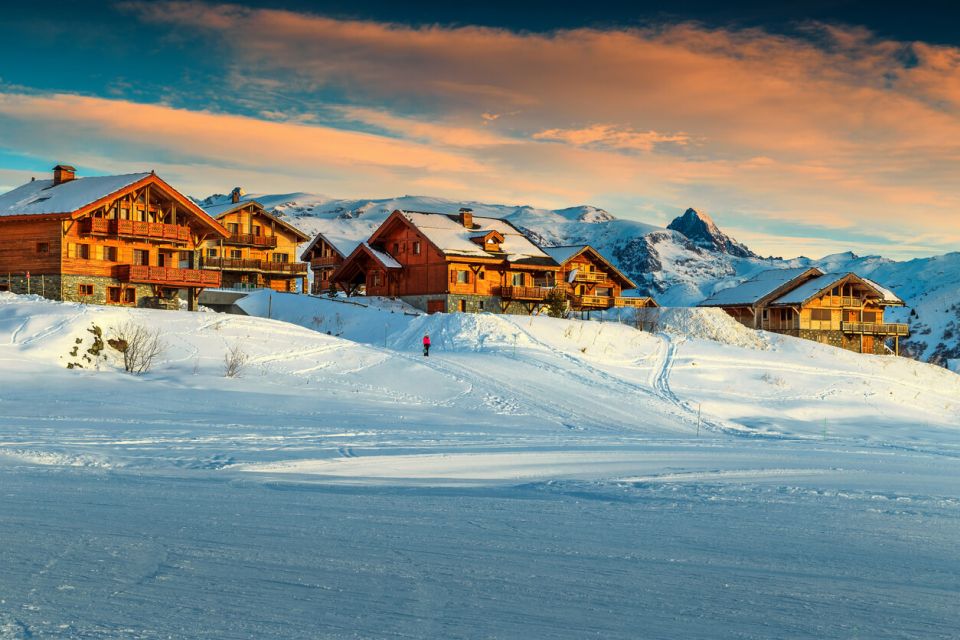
[[679, 265]]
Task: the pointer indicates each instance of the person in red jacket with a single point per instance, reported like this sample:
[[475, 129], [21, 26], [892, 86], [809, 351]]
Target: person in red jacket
[[426, 344]]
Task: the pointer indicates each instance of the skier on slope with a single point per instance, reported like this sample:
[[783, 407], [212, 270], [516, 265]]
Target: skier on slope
[[426, 345]]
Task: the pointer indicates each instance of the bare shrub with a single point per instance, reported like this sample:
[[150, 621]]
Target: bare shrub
[[140, 346], [234, 360], [647, 319]]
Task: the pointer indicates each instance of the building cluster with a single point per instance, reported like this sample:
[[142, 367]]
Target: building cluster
[[135, 240]]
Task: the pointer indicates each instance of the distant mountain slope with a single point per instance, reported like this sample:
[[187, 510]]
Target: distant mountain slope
[[680, 265]]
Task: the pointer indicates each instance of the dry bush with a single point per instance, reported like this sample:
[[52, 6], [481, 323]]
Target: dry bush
[[234, 360], [140, 346]]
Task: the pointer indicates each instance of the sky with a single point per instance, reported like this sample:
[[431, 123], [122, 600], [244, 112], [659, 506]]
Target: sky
[[801, 131]]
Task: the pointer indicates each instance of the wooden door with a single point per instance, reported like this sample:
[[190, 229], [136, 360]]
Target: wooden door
[[436, 306], [867, 344]]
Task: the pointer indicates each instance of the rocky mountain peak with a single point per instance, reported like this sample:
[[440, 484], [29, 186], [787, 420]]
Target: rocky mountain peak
[[701, 230]]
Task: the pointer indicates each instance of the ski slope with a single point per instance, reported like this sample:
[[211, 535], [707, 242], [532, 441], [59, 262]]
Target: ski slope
[[533, 477]]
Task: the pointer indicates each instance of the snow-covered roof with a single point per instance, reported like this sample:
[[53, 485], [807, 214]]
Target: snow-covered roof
[[217, 210], [812, 288], [888, 297], [40, 197], [756, 288], [384, 258], [343, 246], [452, 238], [562, 254]]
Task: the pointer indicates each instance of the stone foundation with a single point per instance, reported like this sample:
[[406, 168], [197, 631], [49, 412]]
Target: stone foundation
[[848, 341], [471, 304], [67, 288]]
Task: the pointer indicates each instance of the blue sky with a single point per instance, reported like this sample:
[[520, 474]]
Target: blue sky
[[801, 132]]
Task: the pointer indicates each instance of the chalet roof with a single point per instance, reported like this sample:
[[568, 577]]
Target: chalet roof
[[758, 287], [343, 246], [40, 197], [887, 297], [812, 288], [565, 253], [452, 238], [382, 257], [219, 210]]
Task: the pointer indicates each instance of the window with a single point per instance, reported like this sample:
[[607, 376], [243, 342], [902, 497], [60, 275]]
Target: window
[[113, 295], [110, 254], [257, 230], [416, 248], [480, 305], [130, 295], [869, 316], [517, 280], [281, 257], [233, 228], [463, 277], [480, 275], [396, 248], [141, 257], [43, 247], [375, 282], [211, 253], [236, 254], [83, 251], [461, 306], [85, 289], [821, 315]]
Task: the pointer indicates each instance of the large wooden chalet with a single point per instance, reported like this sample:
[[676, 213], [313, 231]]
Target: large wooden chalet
[[444, 263], [125, 240], [841, 309], [260, 251], [325, 254]]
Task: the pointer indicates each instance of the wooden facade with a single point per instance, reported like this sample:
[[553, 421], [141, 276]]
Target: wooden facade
[[260, 250], [324, 259], [843, 310], [591, 282], [402, 260], [125, 240]]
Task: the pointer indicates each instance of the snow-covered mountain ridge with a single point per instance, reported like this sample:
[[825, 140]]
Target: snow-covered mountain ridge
[[680, 265]]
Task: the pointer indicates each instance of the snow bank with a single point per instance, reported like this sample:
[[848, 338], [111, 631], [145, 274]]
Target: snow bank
[[709, 324]]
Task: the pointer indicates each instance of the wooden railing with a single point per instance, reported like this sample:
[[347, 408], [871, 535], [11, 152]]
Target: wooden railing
[[524, 293], [243, 264], [252, 240], [135, 228], [638, 303], [586, 276], [593, 301], [325, 261], [876, 328], [167, 276]]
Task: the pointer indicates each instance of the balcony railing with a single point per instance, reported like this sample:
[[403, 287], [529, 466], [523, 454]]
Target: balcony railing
[[586, 276], [876, 328], [251, 240], [638, 303], [524, 293], [242, 264], [325, 261], [168, 276], [136, 229], [593, 301]]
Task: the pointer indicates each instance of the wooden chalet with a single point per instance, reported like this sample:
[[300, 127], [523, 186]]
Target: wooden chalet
[[125, 240], [591, 282], [260, 250], [440, 262], [325, 255], [841, 309]]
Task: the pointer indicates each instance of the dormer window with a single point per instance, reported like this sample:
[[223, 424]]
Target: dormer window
[[490, 241]]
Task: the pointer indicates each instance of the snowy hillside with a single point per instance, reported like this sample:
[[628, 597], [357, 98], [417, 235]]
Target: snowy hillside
[[534, 477], [677, 269]]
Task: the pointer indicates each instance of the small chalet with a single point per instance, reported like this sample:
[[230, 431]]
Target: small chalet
[[125, 240], [591, 281], [841, 309], [324, 255], [441, 262], [260, 251]]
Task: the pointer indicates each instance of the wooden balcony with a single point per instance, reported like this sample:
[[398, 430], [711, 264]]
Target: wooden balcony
[[585, 276], [136, 229], [166, 276], [249, 239], [593, 302], [876, 328], [241, 264], [524, 293], [636, 303], [325, 261]]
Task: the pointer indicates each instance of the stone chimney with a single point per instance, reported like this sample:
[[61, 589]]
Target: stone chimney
[[63, 173], [235, 195], [466, 217]]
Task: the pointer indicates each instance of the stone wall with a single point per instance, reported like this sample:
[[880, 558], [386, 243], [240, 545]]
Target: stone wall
[[850, 342], [42, 285]]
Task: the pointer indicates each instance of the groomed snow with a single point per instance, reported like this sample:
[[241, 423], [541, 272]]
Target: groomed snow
[[533, 477]]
